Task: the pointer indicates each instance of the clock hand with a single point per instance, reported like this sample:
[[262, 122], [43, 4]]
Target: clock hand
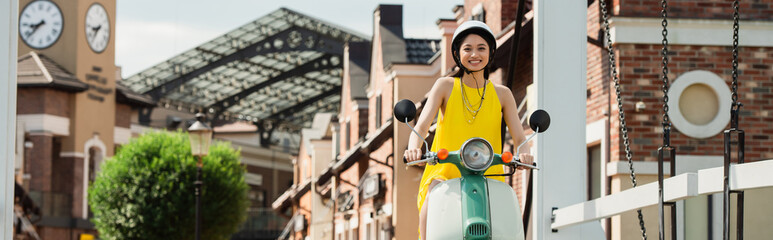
[[96, 29], [35, 27]]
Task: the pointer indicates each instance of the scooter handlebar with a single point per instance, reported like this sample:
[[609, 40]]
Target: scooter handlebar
[[429, 157], [426, 160], [518, 162]]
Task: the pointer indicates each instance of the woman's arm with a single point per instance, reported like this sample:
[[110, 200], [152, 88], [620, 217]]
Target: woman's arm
[[437, 95], [510, 113]]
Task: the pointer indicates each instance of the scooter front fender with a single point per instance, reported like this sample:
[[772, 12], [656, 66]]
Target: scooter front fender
[[444, 211]]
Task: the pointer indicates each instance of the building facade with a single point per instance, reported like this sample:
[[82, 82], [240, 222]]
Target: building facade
[[700, 74], [700, 78], [70, 112], [74, 111]]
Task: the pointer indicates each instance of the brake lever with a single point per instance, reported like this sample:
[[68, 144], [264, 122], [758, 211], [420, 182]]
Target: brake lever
[[518, 162], [428, 158]]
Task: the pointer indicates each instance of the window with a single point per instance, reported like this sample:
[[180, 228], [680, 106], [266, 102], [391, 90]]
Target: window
[[378, 111], [95, 157], [336, 142], [304, 169], [368, 228], [701, 106], [595, 187], [354, 234], [347, 135]]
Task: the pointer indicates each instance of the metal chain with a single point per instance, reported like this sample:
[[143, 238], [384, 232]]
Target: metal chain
[[621, 116], [735, 52], [666, 119]]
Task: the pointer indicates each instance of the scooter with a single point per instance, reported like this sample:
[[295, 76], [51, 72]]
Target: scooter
[[473, 206]]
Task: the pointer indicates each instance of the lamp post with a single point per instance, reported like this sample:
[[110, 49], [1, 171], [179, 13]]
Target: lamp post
[[201, 136]]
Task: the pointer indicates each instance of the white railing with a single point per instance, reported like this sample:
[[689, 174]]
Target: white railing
[[708, 181]]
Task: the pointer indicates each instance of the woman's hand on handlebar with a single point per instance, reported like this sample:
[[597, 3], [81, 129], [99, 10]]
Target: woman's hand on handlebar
[[526, 158], [413, 154]]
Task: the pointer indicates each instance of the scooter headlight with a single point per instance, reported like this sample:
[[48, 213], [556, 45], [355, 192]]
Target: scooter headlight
[[477, 154]]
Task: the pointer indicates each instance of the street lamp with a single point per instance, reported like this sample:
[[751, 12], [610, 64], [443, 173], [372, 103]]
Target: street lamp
[[201, 136]]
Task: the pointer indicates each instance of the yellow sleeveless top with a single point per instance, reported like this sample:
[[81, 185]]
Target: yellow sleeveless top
[[456, 125]]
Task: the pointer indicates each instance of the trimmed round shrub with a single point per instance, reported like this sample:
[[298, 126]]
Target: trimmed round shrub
[[146, 191]]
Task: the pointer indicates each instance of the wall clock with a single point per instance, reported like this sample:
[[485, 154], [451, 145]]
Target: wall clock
[[97, 27], [40, 24]]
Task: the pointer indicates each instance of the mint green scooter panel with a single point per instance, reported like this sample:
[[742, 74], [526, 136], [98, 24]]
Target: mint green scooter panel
[[475, 211]]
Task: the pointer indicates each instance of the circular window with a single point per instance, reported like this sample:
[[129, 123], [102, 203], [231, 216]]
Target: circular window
[[700, 104]]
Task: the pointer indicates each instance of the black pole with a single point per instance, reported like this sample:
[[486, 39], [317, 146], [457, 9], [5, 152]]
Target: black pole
[[527, 204], [726, 189], [726, 184], [510, 77], [672, 205], [198, 183], [739, 215], [515, 44], [661, 203], [661, 223]]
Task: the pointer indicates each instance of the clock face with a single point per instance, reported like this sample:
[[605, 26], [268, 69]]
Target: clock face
[[97, 27], [40, 24]]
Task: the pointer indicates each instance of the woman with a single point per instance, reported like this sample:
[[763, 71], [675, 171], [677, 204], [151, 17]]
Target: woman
[[467, 105]]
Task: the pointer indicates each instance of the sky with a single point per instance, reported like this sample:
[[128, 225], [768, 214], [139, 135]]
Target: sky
[[149, 32]]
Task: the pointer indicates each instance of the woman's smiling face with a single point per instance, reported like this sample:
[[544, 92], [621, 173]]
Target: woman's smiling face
[[474, 53]]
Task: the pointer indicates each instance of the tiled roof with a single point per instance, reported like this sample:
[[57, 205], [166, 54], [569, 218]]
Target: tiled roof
[[126, 95], [34, 70], [421, 50]]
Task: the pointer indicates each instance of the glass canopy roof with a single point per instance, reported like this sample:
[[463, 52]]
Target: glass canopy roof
[[282, 68]]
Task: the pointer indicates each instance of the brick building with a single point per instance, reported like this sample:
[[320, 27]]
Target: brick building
[[700, 54], [700, 74], [374, 196]]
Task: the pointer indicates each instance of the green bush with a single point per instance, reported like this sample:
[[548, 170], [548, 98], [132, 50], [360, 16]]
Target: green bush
[[146, 191]]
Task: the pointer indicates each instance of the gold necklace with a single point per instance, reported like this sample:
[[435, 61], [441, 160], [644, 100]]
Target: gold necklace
[[469, 107]]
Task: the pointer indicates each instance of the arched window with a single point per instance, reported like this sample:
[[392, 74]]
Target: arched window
[[95, 159]]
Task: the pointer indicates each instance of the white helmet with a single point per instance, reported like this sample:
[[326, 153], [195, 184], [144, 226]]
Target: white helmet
[[472, 27]]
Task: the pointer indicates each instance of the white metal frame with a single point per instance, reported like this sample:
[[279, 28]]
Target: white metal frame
[[707, 181], [9, 10], [704, 32]]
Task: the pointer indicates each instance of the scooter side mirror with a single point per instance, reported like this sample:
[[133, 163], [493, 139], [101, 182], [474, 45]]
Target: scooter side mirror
[[405, 110], [540, 119]]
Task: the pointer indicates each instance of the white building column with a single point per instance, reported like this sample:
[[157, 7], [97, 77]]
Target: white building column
[[9, 10], [560, 55]]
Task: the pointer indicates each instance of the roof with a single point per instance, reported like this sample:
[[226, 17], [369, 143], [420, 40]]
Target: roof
[[127, 96], [282, 67], [36, 70], [421, 50], [283, 201]]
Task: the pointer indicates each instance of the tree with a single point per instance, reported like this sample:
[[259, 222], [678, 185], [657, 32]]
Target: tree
[[146, 191]]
